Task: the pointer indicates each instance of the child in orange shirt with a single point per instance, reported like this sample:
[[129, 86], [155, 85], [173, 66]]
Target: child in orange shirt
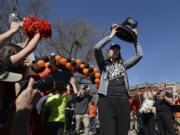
[[92, 116]]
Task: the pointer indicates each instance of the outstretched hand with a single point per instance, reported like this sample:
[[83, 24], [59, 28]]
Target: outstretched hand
[[28, 97], [15, 26], [72, 81]]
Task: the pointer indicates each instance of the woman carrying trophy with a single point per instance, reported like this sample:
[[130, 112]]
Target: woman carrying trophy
[[113, 105]]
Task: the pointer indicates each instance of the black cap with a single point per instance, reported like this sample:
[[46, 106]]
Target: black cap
[[115, 46]]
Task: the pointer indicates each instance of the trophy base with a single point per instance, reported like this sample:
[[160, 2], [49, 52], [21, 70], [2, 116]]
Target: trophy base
[[126, 34]]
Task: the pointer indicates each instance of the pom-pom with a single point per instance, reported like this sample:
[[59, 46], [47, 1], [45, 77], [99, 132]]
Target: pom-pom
[[32, 25]]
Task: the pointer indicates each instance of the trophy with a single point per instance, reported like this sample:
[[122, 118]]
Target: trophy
[[125, 30]]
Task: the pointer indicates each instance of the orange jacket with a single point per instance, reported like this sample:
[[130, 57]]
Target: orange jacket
[[178, 113]]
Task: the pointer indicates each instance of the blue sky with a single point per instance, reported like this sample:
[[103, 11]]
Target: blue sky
[[159, 32]]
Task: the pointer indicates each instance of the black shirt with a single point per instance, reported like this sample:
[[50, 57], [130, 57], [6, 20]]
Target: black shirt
[[163, 105], [117, 88], [82, 103]]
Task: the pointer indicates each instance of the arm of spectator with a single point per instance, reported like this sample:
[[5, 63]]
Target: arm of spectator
[[14, 27], [27, 50], [24, 104], [79, 92], [169, 100], [73, 83], [25, 43]]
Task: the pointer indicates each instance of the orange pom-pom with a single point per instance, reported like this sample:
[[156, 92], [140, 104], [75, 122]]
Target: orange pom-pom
[[82, 66], [57, 58], [63, 61], [78, 61], [69, 66], [32, 25], [97, 75], [86, 71], [41, 63]]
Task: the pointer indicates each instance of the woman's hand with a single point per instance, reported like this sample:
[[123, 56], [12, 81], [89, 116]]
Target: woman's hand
[[15, 26], [114, 30]]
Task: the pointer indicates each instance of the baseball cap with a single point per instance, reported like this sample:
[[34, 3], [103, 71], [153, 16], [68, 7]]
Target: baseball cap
[[115, 46]]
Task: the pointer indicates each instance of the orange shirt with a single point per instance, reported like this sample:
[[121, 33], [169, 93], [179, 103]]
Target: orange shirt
[[92, 111]]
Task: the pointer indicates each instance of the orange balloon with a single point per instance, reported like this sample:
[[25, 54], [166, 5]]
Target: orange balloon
[[47, 71], [63, 61], [97, 86], [96, 70], [58, 58], [86, 71], [78, 61], [41, 63], [69, 66], [82, 66], [97, 75], [97, 81]]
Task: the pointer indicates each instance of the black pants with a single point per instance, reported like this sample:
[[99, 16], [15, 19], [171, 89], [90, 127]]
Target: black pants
[[69, 119], [114, 116], [52, 128], [165, 123], [148, 124]]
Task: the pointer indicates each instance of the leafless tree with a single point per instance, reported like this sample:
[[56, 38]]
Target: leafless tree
[[74, 38]]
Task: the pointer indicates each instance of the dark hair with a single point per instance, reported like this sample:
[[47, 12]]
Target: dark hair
[[85, 87], [164, 84], [116, 52], [61, 87], [9, 50]]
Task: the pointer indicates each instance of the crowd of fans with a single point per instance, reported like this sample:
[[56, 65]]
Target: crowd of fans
[[156, 111], [39, 108]]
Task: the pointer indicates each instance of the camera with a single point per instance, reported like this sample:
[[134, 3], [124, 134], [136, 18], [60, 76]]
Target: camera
[[45, 84]]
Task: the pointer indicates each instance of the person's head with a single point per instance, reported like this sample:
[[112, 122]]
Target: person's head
[[61, 87], [148, 95], [161, 86], [114, 53], [11, 49], [83, 89]]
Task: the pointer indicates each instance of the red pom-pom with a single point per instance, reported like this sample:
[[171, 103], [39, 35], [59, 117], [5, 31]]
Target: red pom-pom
[[32, 25]]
